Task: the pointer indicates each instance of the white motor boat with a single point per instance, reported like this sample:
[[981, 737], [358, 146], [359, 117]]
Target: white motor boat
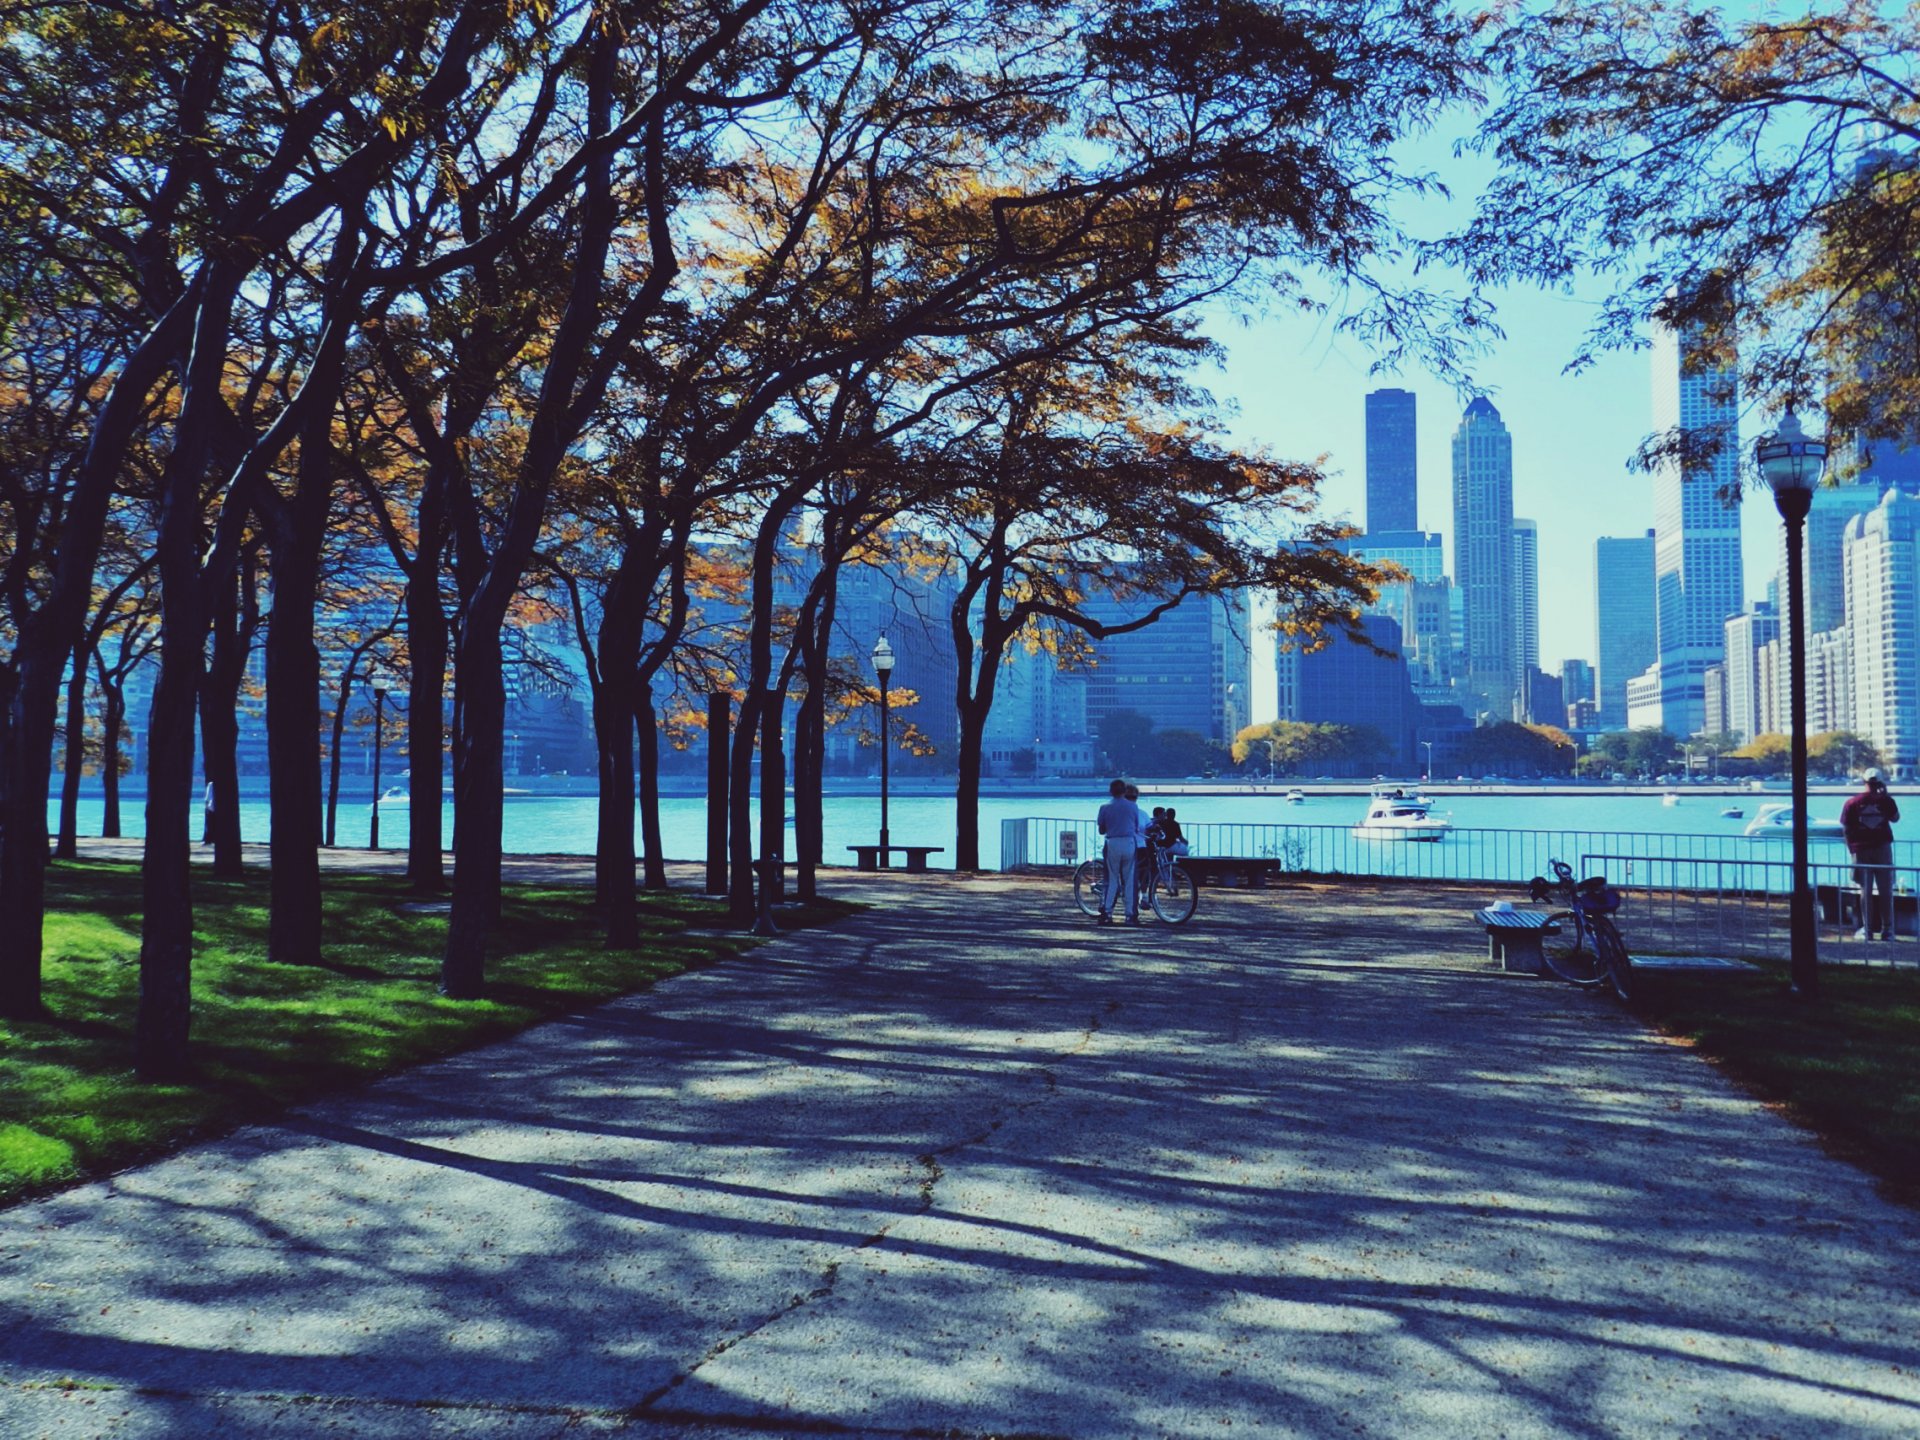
[[1670, 798], [1401, 814], [1296, 797], [396, 799], [1775, 822], [1732, 812]]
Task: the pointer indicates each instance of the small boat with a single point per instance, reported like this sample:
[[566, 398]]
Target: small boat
[[1400, 814], [1296, 797], [1669, 798], [395, 799], [1775, 822], [1732, 812]]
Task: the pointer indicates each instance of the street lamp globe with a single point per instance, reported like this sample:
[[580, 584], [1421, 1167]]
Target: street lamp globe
[[882, 660], [1790, 459]]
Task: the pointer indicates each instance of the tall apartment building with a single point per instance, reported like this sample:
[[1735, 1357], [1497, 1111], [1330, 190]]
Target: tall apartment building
[[1626, 636], [1392, 462], [1882, 567], [1749, 701], [1483, 556], [1697, 578], [1189, 670], [1526, 596]]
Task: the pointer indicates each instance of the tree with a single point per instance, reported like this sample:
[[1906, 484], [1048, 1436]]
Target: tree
[[1841, 753], [1296, 746], [1755, 179]]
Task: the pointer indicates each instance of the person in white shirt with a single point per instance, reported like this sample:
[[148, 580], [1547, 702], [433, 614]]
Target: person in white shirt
[[1120, 822]]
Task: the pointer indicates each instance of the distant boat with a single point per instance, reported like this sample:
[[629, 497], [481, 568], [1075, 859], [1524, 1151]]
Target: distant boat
[[1396, 814], [1775, 822], [1296, 797], [396, 799], [1670, 798], [1732, 812]]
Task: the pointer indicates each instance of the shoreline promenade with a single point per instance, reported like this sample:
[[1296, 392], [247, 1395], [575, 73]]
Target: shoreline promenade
[[964, 1165]]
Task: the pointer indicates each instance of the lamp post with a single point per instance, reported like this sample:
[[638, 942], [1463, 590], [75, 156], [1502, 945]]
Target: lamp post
[[379, 719], [883, 668], [1427, 745], [1791, 461]]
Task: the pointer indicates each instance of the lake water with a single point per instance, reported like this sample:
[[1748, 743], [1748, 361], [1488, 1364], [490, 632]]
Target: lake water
[[1498, 836]]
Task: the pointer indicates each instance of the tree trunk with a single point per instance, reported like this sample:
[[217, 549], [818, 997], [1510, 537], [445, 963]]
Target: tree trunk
[[23, 851], [478, 756], [740, 837], [220, 726], [613, 848], [341, 700], [113, 721], [613, 738], [655, 869], [426, 725], [166, 933], [294, 920], [966, 795], [809, 787], [67, 845], [219, 748]]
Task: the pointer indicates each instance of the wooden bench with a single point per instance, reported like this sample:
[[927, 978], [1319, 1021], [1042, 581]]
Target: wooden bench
[[867, 857], [1514, 936], [1229, 869]]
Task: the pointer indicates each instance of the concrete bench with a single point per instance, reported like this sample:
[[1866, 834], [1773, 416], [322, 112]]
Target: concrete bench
[[868, 857], [1514, 936]]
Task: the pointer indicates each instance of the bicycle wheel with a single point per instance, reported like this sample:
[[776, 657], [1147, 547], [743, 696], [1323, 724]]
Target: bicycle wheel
[[1619, 964], [1571, 954], [1089, 885], [1175, 898]]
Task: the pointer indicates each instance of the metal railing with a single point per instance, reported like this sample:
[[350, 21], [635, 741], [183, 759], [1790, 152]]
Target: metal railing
[[1494, 856], [1738, 908]]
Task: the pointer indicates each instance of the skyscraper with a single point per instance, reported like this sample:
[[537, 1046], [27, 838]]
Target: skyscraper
[[1189, 670], [1625, 634], [1526, 596], [1392, 470], [1483, 555], [1883, 621], [1696, 551], [1747, 698]]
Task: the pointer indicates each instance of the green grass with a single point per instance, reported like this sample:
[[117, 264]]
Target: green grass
[[265, 1035], [1847, 1067]]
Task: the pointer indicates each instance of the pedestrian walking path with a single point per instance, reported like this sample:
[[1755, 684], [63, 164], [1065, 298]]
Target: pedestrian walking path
[[968, 1166]]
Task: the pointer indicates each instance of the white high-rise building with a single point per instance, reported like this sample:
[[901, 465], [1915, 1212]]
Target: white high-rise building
[[1882, 569], [1483, 555], [1526, 596], [1696, 546], [1749, 704]]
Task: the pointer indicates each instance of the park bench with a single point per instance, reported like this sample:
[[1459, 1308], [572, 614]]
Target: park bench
[[1514, 936], [1229, 870], [867, 857]]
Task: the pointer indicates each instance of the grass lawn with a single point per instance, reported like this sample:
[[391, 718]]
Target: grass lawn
[[1847, 1067], [264, 1035]]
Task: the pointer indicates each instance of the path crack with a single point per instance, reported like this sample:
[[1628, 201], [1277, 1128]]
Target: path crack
[[934, 1173]]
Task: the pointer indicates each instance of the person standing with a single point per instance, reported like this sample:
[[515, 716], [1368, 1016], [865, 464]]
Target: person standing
[[1868, 820], [1119, 822]]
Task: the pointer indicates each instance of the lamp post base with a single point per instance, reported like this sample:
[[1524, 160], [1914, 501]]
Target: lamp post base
[[1803, 944]]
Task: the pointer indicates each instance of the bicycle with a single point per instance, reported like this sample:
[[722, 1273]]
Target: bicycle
[[1587, 949], [1167, 887]]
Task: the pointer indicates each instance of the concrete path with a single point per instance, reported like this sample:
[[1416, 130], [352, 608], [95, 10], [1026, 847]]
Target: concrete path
[[967, 1166]]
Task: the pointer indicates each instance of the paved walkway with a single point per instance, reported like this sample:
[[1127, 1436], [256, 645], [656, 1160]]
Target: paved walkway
[[967, 1166]]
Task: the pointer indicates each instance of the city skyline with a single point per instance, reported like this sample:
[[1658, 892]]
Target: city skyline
[[1301, 391]]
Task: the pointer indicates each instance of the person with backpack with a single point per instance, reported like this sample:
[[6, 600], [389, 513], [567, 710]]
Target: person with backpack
[[1867, 820]]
